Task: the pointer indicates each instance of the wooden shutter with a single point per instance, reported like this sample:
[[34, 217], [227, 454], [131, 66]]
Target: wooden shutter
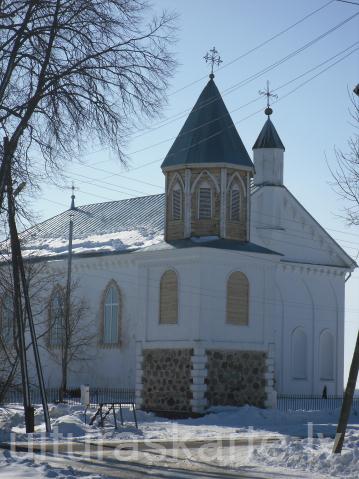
[[237, 299], [205, 204], [176, 205], [169, 298], [235, 204]]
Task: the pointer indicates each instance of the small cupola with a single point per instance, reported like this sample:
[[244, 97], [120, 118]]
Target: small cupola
[[268, 154], [208, 172]]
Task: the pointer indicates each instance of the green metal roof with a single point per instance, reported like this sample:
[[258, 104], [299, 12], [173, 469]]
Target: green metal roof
[[208, 135], [268, 137]]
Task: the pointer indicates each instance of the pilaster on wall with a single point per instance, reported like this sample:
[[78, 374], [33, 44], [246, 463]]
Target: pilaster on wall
[[271, 401], [139, 372], [187, 203], [199, 375], [223, 202]]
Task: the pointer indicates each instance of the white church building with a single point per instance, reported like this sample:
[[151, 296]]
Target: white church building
[[220, 291]]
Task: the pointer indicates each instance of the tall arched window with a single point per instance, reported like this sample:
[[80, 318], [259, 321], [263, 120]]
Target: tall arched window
[[204, 201], [56, 316], [177, 202], [7, 319], [111, 314], [237, 299], [169, 298], [326, 355], [235, 203], [299, 354]]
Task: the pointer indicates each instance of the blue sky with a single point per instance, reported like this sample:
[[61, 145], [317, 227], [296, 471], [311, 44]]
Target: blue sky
[[310, 121]]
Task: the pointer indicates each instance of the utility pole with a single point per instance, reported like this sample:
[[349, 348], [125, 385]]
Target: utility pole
[[350, 389], [347, 401], [67, 312]]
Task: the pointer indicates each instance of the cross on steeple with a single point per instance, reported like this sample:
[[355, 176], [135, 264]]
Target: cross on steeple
[[268, 93], [213, 58], [72, 207]]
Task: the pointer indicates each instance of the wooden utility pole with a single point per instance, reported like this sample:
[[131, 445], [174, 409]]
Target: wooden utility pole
[[347, 401], [67, 313], [350, 389]]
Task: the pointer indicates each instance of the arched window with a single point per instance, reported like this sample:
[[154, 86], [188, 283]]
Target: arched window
[[299, 354], [177, 202], [111, 314], [169, 298], [204, 201], [326, 355], [7, 319], [235, 203], [237, 299], [56, 316]]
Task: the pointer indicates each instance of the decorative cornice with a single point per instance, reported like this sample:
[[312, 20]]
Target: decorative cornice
[[313, 269], [197, 166]]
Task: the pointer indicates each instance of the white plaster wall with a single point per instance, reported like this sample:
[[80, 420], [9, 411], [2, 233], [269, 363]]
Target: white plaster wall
[[280, 223], [112, 367], [313, 301]]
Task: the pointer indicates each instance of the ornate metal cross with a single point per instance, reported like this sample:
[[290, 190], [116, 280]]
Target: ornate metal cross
[[213, 58], [268, 93]]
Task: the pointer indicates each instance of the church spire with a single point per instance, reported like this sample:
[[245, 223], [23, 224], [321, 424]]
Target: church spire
[[268, 137], [268, 149]]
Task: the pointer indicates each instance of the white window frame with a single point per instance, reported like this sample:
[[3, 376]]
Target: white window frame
[[111, 315], [205, 186]]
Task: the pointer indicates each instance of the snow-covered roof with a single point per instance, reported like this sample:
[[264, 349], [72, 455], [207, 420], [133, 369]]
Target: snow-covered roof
[[100, 227], [115, 227]]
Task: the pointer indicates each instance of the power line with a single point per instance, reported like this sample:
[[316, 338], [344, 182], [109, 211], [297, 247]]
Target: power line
[[250, 102], [347, 1], [252, 114], [259, 73], [257, 47]]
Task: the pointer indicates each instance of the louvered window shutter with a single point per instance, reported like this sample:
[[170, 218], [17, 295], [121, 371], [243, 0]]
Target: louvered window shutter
[[235, 205], [176, 205], [237, 299], [205, 203], [169, 298]]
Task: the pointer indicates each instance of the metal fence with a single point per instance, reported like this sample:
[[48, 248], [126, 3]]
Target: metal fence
[[311, 403], [73, 396]]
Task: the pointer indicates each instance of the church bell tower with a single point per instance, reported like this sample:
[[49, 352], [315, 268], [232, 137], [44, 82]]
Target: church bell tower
[[208, 172]]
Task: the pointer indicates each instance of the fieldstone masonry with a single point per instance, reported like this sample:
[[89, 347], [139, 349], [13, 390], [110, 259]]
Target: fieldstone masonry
[[190, 380], [166, 379], [236, 378]]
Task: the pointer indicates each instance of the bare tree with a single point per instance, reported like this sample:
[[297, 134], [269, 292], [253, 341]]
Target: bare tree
[[39, 279], [346, 172], [74, 71], [77, 336]]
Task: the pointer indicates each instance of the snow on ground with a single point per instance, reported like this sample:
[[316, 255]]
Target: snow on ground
[[18, 468], [293, 450]]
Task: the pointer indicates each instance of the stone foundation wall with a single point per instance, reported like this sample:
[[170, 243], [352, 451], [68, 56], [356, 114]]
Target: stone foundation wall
[[167, 379], [236, 377]]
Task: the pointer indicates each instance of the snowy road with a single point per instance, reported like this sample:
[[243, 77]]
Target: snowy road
[[160, 460]]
